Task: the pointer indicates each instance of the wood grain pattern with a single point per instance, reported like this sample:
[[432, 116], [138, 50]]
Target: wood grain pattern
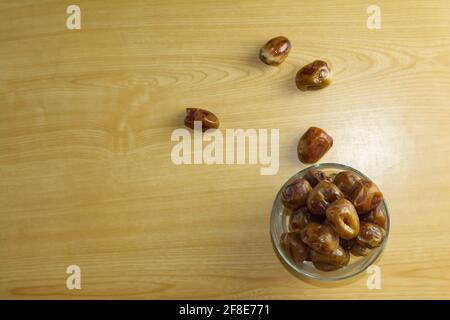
[[85, 171]]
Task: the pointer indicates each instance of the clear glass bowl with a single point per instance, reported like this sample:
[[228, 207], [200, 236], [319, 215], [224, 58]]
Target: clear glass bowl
[[279, 222]]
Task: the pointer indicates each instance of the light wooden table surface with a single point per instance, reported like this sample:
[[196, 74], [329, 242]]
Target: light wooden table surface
[[86, 176]]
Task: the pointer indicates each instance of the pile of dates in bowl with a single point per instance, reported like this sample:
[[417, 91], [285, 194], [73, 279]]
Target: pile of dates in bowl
[[329, 222]]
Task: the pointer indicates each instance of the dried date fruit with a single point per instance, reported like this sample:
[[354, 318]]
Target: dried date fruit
[[313, 76], [338, 258], [294, 195], [208, 119], [299, 219], [313, 145], [359, 250], [370, 235], [294, 247], [346, 244], [321, 196], [275, 51], [346, 182], [343, 217], [320, 237], [366, 196], [376, 216], [314, 176], [354, 247]]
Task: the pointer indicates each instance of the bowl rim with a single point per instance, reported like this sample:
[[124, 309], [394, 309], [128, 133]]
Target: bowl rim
[[296, 269]]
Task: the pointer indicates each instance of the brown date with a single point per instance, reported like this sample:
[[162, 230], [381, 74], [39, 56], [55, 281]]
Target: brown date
[[354, 247], [313, 76], [346, 244], [359, 250], [366, 196], [321, 196], [275, 51], [313, 145], [294, 195], [208, 119], [294, 247], [320, 237], [346, 181], [338, 258], [299, 219], [343, 217], [314, 176], [370, 235], [376, 216]]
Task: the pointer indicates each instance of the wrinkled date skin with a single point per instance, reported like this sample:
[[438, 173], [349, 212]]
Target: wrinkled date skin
[[321, 196], [209, 120], [275, 51], [376, 216], [313, 145], [366, 196], [359, 250], [354, 247], [320, 237], [346, 244], [313, 76], [314, 176], [343, 217], [295, 194], [294, 247], [346, 182], [300, 218], [370, 235], [337, 259]]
